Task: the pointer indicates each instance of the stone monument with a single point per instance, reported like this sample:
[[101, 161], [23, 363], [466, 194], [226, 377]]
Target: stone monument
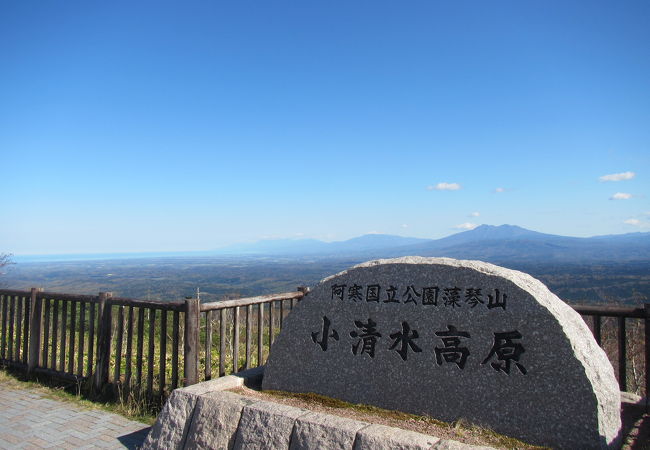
[[452, 340]]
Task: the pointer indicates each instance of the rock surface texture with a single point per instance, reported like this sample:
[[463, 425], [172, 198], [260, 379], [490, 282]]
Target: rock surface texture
[[452, 339], [204, 416]]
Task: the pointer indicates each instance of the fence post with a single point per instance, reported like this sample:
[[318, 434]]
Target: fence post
[[647, 356], [191, 344], [305, 290], [35, 319], [103, 341]]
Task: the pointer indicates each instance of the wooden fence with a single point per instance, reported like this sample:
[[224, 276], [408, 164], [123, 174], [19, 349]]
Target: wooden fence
[[625, 346], [148, 347], [152, 347]]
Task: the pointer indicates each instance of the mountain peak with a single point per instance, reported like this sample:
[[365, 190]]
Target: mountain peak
[[505, 226], [494, 232], [494, 243]]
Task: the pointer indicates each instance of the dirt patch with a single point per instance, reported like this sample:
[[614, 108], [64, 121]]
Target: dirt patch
[[457, 431]]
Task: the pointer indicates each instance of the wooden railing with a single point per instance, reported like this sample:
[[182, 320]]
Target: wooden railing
[[609, 325], [134, 345], [244, 320]]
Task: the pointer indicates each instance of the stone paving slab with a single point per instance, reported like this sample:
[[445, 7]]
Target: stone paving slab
[[29, 420]]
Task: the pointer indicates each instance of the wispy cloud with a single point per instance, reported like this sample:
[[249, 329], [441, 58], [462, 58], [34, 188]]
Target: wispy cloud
[[621, 196], [269, 237], [643, 224], [617, 176], [405, 225], [466, 226], [444, 187], [500, 189], [475, 214]]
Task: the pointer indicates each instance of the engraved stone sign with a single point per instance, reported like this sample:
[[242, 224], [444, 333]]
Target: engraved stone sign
[[452, 339]]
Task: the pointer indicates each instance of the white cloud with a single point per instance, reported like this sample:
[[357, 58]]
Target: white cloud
[[475, 214], [444, 187], [500, 189], [617, 176], [466, 226], [621, 196], [405, 225], [643, 224]]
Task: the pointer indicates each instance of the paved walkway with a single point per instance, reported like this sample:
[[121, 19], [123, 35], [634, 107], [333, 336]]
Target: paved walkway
[[30, 420]]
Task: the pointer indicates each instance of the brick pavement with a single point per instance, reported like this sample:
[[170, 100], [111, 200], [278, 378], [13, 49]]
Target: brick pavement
[[30, 420]]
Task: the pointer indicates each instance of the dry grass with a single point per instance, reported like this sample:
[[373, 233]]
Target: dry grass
[[132, 409], [460, 430]]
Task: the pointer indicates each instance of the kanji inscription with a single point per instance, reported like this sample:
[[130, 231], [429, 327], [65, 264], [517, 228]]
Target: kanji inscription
[[454, 348], [452, 351], [367, 337], [450, 296], [405, 340], [324, 334]]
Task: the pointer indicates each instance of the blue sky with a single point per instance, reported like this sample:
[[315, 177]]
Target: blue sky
[[161, 126]]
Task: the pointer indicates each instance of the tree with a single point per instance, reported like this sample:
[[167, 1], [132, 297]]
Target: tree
[[5, 260]]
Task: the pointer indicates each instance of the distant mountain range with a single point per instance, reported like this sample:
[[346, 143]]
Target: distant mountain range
[[504, 244], [497, 244]]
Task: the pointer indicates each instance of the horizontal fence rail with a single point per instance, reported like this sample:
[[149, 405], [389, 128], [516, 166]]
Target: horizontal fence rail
[[237, 334], [624, 334], [151, 347], [142, 347]]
